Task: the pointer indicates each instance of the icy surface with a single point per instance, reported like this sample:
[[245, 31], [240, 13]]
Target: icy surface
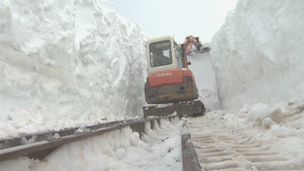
[[257, 54]]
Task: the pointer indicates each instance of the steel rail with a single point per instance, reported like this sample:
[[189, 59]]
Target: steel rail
[[41, 144]]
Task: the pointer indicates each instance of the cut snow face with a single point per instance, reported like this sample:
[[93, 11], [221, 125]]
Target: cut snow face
[[257, 54], [67, 64], [201, 67]]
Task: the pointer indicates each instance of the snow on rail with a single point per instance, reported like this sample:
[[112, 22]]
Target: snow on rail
[[39, 145]]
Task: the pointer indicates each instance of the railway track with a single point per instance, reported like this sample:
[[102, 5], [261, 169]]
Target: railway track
[[39, 145], [212, 147], [221, 150]]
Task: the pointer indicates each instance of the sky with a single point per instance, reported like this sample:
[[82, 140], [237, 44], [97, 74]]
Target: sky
[[177, 18]]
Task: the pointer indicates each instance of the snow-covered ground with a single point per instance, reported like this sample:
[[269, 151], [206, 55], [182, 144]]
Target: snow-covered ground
[[74, 63], [273, 133]]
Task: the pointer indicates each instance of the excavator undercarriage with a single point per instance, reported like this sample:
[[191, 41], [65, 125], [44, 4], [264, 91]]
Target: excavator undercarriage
[[187, 108]]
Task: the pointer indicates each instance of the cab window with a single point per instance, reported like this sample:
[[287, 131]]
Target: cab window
[[160, 53]]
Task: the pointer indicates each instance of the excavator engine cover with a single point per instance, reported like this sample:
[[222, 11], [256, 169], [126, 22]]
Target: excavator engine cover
[[170, 87]]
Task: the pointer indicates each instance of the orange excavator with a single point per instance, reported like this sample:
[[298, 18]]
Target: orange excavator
[[170, 85]]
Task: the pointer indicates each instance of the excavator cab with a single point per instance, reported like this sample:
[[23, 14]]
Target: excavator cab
[[164, 53]]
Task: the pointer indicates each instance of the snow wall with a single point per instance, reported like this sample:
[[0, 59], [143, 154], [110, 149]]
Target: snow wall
[[257, 54], [68, 60]]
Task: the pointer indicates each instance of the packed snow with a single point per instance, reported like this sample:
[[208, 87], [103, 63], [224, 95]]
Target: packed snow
[[277, 130], [75, 63]]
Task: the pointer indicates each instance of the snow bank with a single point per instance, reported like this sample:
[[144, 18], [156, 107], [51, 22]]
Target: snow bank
[[67, 63], [257, 54]]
